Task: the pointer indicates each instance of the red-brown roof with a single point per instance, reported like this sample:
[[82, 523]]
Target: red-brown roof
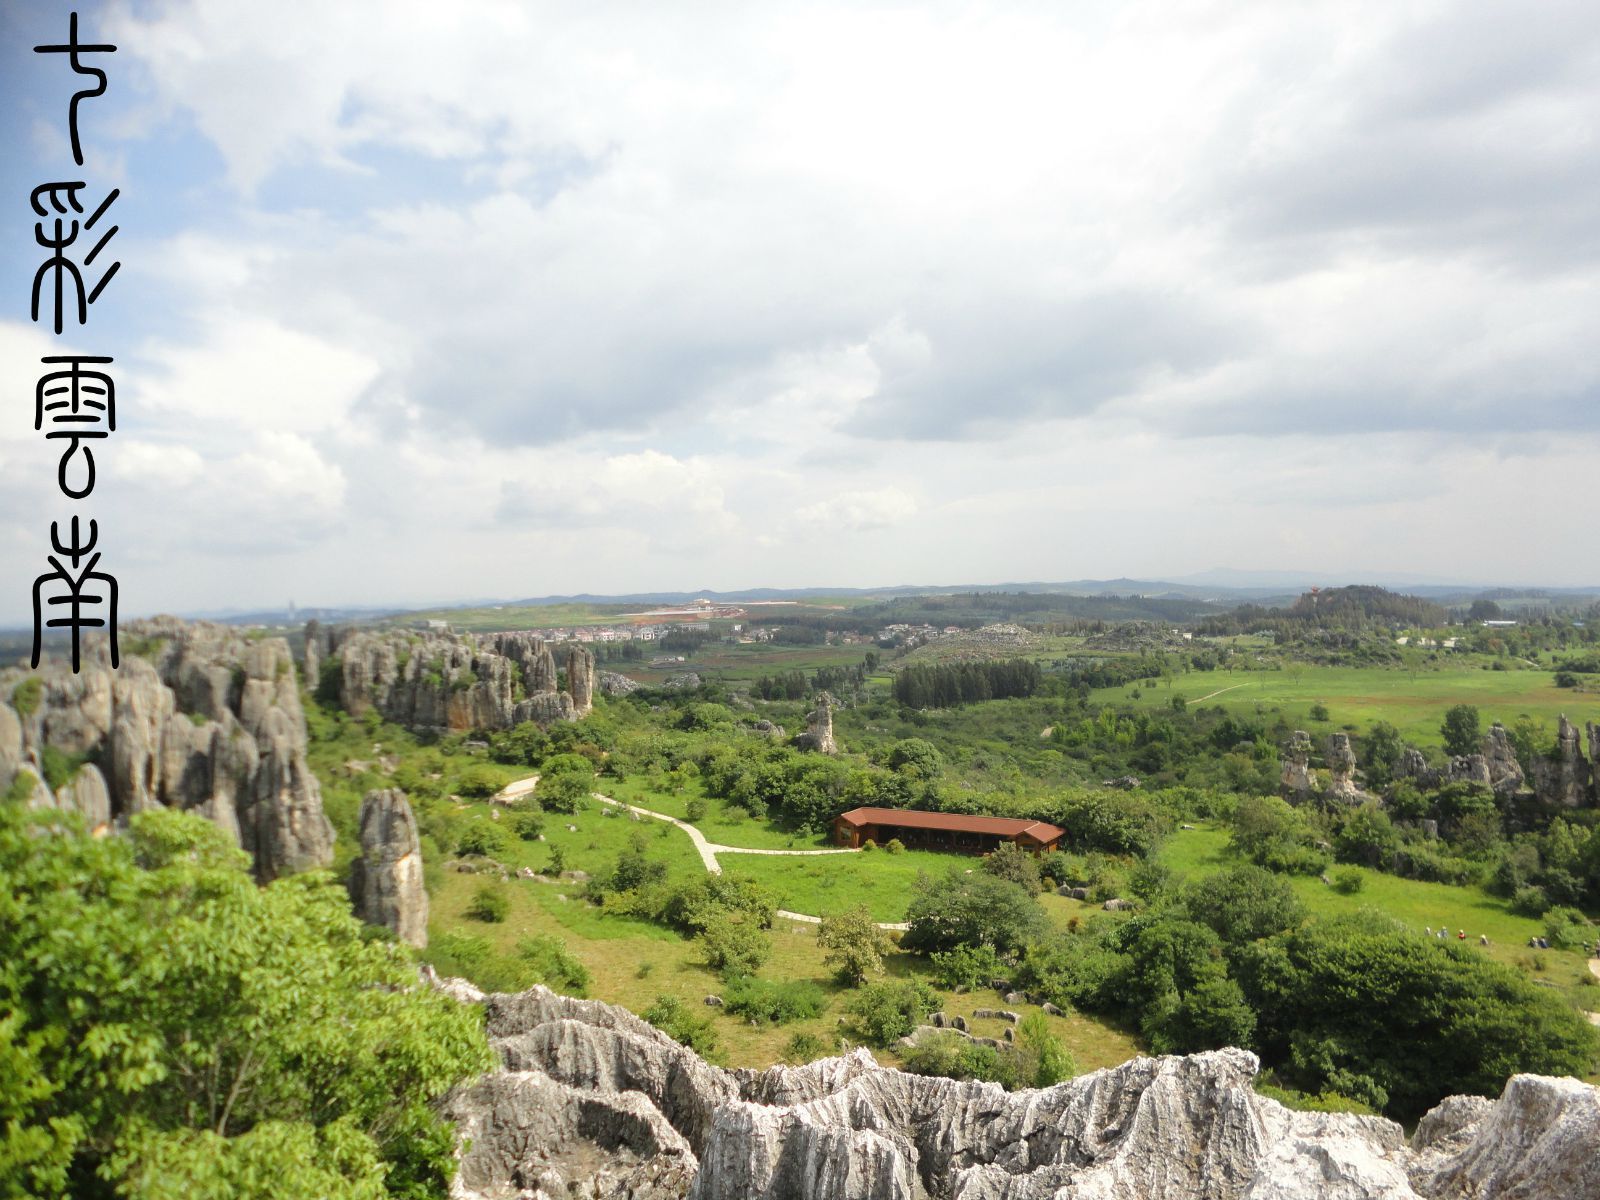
[[911, 818]]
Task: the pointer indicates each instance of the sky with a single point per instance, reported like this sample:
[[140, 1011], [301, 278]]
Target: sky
[[424, 302]]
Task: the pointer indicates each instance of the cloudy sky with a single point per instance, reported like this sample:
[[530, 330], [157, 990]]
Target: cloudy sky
[[428, 301]]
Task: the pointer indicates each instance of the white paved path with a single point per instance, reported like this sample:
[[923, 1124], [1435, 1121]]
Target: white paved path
[[707, 850]]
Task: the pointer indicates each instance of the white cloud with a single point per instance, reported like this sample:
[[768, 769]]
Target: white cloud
[[860, 510]]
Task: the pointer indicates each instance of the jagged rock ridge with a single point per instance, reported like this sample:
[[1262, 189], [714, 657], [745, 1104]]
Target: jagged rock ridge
[[593, 1097], [210, 721], [433, 681]]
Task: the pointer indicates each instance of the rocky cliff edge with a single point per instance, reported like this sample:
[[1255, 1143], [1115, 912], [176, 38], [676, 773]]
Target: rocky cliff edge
[[592, 1101]]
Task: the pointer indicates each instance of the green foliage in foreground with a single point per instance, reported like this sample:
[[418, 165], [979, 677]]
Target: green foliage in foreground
[[886, 1011], [774, 1001], [171, 1029], [1036, 1059], [682, 1024]]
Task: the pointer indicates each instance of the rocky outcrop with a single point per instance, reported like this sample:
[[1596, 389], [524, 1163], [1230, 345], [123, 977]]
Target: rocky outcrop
[[1342, 786], [205, 720], [592, 1098], [818, 733], [435, 682], [1468, 768], [580, 680], [1563, 778], [1505, 773], [1295, 780], [613, 684], [1413, 765], [386, 879]]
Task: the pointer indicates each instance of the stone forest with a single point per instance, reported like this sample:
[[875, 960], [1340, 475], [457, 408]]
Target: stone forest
[[511, 912]]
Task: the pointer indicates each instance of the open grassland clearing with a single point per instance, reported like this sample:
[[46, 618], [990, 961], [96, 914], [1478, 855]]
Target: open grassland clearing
[[632, 962], [724, 824], [1419, 905], [1360, 696], [831, 883]]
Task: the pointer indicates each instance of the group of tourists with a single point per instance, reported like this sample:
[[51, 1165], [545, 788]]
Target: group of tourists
[[1461, 934]]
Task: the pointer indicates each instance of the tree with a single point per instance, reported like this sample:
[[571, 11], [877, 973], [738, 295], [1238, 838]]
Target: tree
[[735, 948], [916, 757], [1011, 861], [855, 945], [971, 910], [1244, 903], [1043, 1059], [885, 1012], [1380, 753], [1460, 730], [169, 1028], [565, 793]]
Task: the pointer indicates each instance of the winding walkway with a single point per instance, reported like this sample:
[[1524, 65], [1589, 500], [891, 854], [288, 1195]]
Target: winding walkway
[[707, 850]]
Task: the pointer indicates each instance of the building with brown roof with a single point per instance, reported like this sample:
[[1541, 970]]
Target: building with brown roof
[[943, 831]]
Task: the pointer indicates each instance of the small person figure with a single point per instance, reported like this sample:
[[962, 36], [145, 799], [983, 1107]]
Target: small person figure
[[1483, 939], [1461, 935], [1428, 929]]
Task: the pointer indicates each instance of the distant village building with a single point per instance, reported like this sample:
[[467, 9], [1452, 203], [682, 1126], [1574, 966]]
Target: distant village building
[[943, 831]]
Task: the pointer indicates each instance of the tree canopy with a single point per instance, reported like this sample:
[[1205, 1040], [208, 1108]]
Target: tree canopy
[[171, 1029]]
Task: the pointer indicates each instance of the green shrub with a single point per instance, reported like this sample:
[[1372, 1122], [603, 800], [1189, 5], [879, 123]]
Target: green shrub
[[474, 959], [895, 846], [803, 1048], [695, 810], [59, 767], [1347, 881], [489, 903], [884, 1012], [773, 1001], [1568, 928], [527, 825], [682, 1024], [968, 967], [1329, 1102], [554, 965], [478, 783], [735, 948], [481, 837], [949, 1054], [1530, 901]]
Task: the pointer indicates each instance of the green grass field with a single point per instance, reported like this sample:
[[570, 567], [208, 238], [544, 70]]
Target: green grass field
[[831, 883], [1360, 696], [1196, 853], [632, 962], [724, 825]]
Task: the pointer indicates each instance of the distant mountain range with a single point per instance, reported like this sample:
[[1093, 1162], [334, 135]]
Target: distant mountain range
[[1221, 585]]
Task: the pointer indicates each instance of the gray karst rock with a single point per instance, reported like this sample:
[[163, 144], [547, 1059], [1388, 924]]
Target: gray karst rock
[[85, 793], [201, 718], [1295, 782], [434, 682], [592, 1097], [683, 681], [580, 680], [1500, 758], [1468, 768], [1414, 766], [544, 708], [12, 756], [818, 734], [1594, 759], [386, 878], [1563, 778], [1342, 787], [613, 684]]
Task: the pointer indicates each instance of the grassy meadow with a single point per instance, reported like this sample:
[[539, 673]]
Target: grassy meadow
[[1419, 905], [1359, 696]]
